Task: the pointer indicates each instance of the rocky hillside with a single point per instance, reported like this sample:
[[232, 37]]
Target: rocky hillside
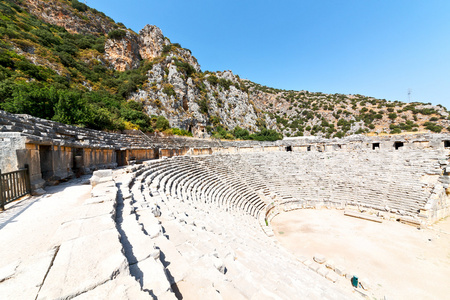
[[64, 61]]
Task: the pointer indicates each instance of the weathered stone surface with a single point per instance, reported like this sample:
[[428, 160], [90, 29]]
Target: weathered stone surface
[[103, 173], [319, 258], [151, 42], [122, 287], [153, 276], [314, 266], [62, 14], [134, 240], [83, 264], [123, 53], [219, 265], [28, 277], [339, 270], [332, 276], [330, 264], [107, 199], [365, 284], [323, 271], [101, 176], [172, 259], [82, 227], [8, 271], [102, 189]]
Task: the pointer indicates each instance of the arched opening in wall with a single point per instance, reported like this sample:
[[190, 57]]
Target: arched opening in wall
[[289, 148], [398, 145], [46, 161], [447, 144], [375, 146], [308, 148]]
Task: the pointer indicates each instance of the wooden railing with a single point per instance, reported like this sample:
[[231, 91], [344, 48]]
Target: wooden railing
[[14, 185]]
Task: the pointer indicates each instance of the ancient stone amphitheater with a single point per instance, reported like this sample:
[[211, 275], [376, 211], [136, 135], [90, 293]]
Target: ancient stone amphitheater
[[190, 218]]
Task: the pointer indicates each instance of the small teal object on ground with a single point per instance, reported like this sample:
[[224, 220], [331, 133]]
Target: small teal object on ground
[[355, 281]]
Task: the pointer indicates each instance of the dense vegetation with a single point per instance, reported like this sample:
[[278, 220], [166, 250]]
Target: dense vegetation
[[70, 83], [51, 73], [336, 115]]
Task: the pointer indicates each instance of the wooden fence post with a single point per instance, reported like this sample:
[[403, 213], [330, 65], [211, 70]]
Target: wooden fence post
[[2, 200], [27, 178]]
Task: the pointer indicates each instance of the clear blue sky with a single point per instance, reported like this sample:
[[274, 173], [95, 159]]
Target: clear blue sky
[[378, 48]]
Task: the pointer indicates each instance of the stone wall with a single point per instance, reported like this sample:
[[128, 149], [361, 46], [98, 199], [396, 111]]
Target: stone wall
[[9, 159], [56, 151]]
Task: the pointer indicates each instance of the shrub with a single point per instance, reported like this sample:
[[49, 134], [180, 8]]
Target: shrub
[[181, 132], [117, 34], [185, 68], [166, 49], [79, 6], [225, 83], [162, 123], [392, 116], [168, 90], [433, 127], [203, 105], [266, 135], [212, 79], [240, 133]]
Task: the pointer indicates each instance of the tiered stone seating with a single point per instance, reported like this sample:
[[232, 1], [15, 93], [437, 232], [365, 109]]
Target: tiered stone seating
[[247, 183], [379, 180], [204, 251], [40, 130], [200, 179]]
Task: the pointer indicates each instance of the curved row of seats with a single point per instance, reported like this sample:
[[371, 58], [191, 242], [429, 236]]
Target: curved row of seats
[[248, 182], [203, 180], [388, 180], [178, 235]]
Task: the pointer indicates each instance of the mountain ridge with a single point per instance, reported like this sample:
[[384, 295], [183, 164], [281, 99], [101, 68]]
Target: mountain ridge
[[150, 78]]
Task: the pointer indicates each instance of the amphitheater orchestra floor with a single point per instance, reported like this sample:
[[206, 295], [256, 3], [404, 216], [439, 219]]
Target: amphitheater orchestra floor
[[399, 261]]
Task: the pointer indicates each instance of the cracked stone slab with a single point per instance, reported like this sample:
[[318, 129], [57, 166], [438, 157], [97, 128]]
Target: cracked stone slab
[[8, 271], [135, 241], [83, 264], [28, 276], [82, 227], [152, 276], [100, 199], [107, 188], [123, 288]]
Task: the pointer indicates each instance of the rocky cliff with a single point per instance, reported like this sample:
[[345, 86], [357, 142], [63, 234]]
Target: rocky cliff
[[177, 89], [74, 16], [162, 78]]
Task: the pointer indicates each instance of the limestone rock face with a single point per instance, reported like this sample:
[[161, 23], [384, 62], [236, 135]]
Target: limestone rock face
[[151, 42], [123, 53], [62, 14], [178, 97]]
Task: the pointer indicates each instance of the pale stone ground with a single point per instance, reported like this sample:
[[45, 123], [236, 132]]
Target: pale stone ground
[[399, 261], [37, 219]]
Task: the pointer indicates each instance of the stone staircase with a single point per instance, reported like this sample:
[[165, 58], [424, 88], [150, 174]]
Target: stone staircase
[[198, 243]]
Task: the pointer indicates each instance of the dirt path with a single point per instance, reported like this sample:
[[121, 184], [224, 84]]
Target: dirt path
[[399, 261]]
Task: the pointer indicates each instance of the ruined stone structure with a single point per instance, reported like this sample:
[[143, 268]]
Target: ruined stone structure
[[186, 202], [401, 177]]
